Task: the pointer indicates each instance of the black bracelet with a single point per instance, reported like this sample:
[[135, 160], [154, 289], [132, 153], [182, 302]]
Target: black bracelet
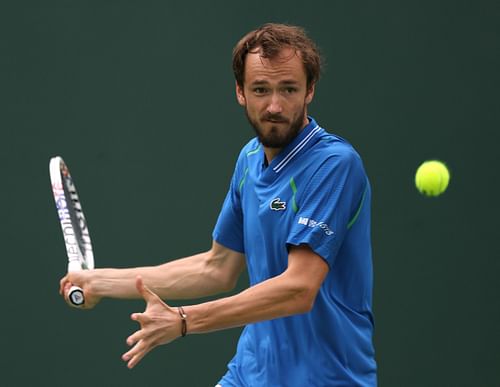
[[184, 323]]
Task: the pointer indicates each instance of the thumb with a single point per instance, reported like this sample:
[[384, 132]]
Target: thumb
[[143, 290]]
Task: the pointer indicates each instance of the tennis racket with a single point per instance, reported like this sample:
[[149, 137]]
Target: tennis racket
[[73, 224]]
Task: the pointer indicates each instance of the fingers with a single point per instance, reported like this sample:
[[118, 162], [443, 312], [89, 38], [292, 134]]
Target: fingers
[[134, 338], [156, 326], [64, 286], [136, 354], [63, 281], [82, 280], [139, 341], [67, 282]]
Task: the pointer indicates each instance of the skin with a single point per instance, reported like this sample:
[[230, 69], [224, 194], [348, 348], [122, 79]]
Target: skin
[[275, 96]]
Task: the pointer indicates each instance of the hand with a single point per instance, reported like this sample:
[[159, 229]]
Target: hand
[[81, 279], [160, 324]]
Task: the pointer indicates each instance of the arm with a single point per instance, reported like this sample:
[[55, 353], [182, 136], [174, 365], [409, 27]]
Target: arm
[[292, 292], [204, 274]]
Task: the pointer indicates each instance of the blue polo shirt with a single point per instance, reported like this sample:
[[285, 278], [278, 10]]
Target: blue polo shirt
[[314, 192]]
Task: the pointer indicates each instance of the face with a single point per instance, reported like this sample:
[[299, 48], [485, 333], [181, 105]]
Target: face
[[275, 97]]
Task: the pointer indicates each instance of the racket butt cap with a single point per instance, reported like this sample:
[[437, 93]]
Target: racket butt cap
[[75, 295]]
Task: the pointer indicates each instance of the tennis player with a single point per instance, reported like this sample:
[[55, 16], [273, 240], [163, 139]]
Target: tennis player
[[297, 216]]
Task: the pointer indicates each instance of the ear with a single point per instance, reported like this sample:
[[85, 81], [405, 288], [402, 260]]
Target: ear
[[310, 94], [240, 95]]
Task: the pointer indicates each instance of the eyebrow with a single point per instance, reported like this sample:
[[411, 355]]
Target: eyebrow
[[284, 82]]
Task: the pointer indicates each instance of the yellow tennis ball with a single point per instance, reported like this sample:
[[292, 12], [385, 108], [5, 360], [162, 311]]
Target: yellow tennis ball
[[432, 178]]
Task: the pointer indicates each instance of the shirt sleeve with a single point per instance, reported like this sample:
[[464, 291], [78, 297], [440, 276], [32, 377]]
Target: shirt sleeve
[[228, 230], [328, 204]]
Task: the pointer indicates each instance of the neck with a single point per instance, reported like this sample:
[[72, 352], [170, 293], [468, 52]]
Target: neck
[[271, 153]]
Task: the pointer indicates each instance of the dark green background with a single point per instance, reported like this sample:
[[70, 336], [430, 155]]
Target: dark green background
[[138, 97]]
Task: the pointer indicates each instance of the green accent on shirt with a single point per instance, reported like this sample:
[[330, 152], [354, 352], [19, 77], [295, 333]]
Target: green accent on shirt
[[353, 220], [242, 181], [294, 190]]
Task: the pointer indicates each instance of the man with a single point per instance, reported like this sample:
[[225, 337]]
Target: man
[[297, 215]]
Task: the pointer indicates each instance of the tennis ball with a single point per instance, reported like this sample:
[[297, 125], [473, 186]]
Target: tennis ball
[[432, 178]]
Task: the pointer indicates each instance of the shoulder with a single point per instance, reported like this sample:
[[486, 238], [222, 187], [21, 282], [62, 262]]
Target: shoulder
[[335, 167], [251, 148], [333, 150]]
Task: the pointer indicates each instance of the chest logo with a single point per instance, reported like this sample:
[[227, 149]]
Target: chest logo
[[277, 205]]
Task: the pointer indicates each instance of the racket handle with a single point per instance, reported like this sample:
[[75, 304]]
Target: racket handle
[[75, 295]]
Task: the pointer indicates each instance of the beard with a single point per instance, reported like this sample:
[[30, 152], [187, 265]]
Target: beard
[[276, 137]]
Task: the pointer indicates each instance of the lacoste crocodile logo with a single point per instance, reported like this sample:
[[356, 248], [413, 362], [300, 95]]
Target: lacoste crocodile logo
[[277, 205]]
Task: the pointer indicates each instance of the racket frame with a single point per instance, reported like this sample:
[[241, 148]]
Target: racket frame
[[73, 224]]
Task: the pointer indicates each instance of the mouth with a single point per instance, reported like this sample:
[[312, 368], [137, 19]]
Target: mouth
[[274, 118], [276, 121]]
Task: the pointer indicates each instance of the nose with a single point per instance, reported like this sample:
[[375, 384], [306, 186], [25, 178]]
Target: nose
[[274, 106]]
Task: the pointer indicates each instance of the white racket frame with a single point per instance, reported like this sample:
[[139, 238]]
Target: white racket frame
[[75, 232]]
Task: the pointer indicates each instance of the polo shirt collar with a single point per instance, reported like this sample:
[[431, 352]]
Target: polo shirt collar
[[307, 137]]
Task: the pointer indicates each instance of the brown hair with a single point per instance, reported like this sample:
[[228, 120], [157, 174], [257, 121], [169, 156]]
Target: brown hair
[[269, 40]]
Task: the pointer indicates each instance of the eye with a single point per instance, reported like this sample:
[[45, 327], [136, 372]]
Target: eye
[[290, 90], [260, 90]]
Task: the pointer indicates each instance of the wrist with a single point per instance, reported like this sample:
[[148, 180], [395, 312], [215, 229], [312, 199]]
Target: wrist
[[96, 283], [112, 283], [104, 283]]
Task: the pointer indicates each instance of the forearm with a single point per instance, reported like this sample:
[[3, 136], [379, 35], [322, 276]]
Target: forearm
[[274, 298], [189, 277]]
